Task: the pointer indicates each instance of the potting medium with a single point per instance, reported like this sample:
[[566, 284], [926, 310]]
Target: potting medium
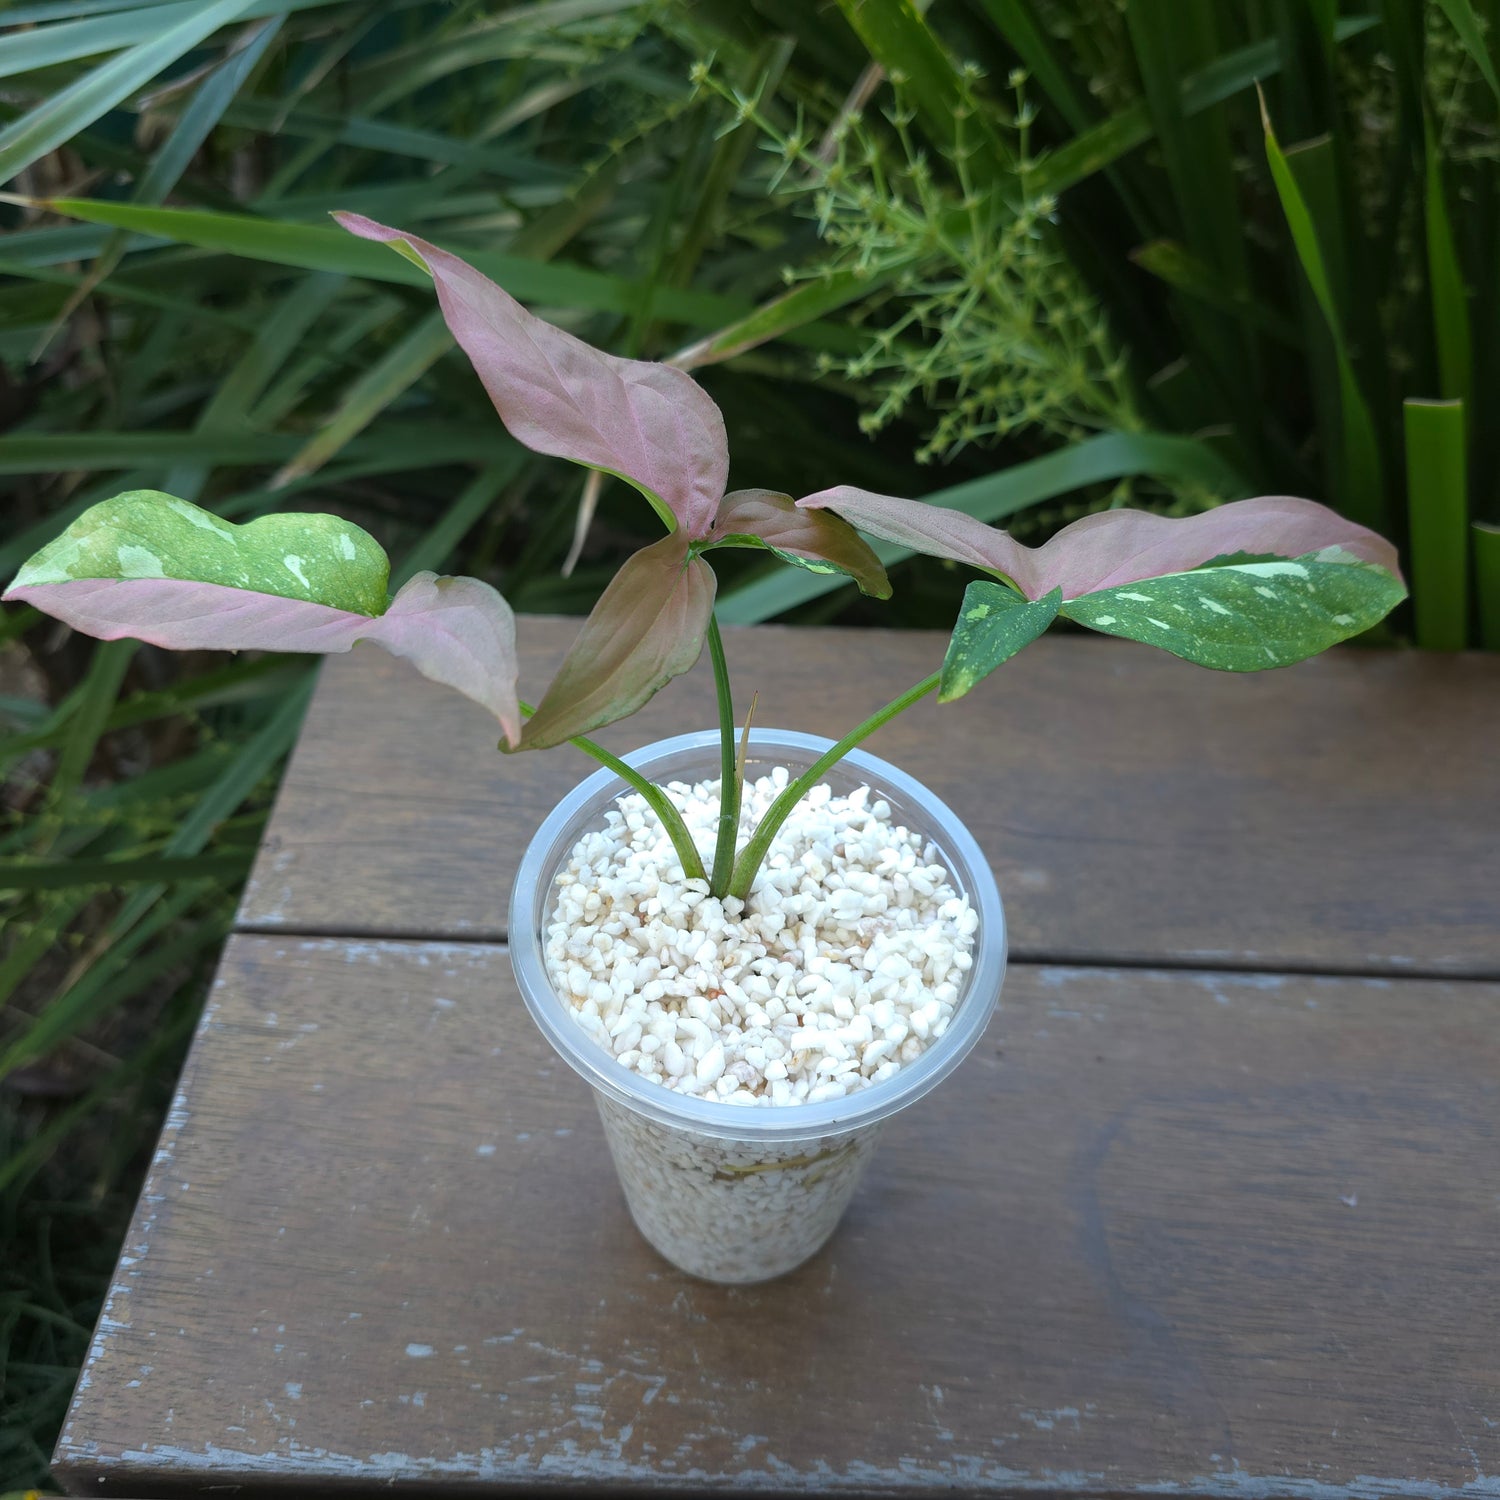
[[843, 964]]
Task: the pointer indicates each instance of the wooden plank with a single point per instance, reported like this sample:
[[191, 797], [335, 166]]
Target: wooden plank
[[1164, 1232], [1338, 815]]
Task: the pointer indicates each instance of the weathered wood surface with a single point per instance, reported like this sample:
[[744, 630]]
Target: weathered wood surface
[[1164, 1232], [1341, 815]]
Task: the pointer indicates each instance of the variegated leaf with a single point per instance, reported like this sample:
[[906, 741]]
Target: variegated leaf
[[145, 534], [813, 539], [157, 569], [994, 623], [1246, 616], [1113, 547]]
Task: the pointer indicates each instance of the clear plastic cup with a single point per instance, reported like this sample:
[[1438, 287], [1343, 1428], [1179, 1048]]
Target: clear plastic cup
[[733, 1192]]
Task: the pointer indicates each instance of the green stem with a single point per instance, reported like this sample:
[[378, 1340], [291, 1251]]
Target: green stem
[[747, 867], [729, 782], [656, 799]]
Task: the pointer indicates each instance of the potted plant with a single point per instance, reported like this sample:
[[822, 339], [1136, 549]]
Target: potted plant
[[755, 945]]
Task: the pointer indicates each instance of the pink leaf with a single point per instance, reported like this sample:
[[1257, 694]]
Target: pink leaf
[[814, 538], [457, 631], [1114, 547], [647, 628], [652, 425]]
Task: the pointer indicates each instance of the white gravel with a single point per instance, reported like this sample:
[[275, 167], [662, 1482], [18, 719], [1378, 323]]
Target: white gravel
[[733, 1211], [843, 965]]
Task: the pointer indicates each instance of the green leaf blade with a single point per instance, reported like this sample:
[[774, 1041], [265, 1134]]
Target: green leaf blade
[[321, 559], [1246, 617], [1465, 22], [1486, 543], [994, 623], [1363, 498], [1438, 515], [72, 109]]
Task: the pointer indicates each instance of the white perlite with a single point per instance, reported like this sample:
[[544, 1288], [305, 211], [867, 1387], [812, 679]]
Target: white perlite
[[733, 1211], [842, 966]]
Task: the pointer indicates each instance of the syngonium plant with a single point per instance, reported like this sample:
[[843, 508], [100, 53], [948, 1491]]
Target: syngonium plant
[[1249, 585]]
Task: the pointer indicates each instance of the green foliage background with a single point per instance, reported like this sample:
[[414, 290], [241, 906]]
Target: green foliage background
[[1029, 257]]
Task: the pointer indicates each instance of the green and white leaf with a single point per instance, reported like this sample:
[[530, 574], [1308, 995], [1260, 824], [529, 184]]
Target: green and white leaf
[[994, 623], [145, 534], [812, 564], [1248, 616]]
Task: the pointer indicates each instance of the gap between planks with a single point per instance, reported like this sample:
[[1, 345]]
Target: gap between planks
[[1198, 963]]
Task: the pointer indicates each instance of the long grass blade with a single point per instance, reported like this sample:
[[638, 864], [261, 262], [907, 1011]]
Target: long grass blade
[[125, 26], [69, 110], [404, 446], [518, 31], [1465, 22], [115, 971], [1438, 514], [71, 10], [392, 139], [241, 682], [28, 51], [97, 696], [1450, 303], [177, 151], [1486, 539], [439, 542], [60, 291], [255, 761], [228, 411], [1130, 127], [1180, 268], [385, 381], [1363, 498], [1014, 20], [318, 249], [64, 874], [45, 932]]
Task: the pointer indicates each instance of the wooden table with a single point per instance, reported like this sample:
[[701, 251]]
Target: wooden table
[[1214, 1208]]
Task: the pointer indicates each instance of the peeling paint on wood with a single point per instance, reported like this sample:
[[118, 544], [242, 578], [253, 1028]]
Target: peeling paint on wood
[[1116, 1254]]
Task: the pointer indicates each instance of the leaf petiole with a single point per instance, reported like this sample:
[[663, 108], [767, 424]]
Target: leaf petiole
[[729, 786], [656, 799], [747, 866]]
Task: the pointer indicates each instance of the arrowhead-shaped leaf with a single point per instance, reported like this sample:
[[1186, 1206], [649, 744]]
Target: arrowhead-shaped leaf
[[813, 539], [146, 534], [1246, 616], [457, 631], [994, 623], [650, 424], [646, 629], [151, 567], [1114, 547]]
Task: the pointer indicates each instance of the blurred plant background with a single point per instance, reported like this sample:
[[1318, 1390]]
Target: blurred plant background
[[1028, 257]]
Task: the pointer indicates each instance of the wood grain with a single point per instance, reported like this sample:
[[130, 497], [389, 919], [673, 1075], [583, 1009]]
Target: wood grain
[[1338, 815], [1182, 1232]]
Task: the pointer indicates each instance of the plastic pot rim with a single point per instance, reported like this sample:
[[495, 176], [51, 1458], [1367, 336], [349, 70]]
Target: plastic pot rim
[[980, 991]]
